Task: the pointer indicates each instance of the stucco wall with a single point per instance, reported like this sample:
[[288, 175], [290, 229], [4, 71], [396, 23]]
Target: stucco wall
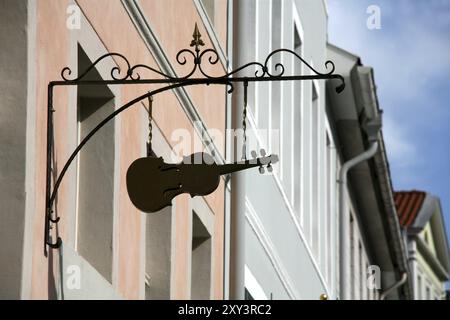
[[107, 27], [13, 134]]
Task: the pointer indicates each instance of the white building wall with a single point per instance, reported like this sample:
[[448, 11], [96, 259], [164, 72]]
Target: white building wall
[[289, 248], [423, 276], [292, 229], [426, 285]]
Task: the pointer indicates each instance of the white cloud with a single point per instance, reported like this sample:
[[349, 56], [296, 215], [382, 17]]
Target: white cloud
[[408, 52], [410, 56]]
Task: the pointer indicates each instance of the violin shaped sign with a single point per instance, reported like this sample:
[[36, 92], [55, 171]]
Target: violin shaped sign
[[152, 184]]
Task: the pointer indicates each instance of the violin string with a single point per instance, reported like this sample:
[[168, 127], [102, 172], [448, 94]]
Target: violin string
[[150, 126], [244, 122]]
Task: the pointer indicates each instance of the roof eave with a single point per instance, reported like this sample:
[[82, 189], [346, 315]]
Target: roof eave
[[385, 181]]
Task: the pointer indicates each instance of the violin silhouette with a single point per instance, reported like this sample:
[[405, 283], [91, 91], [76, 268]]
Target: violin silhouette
[[152, 183]]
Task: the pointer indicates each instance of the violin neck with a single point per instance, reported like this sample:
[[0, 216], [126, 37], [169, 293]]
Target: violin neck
[[239, 166]]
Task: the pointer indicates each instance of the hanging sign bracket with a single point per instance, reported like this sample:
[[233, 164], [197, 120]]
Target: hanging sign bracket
[[151, 173]]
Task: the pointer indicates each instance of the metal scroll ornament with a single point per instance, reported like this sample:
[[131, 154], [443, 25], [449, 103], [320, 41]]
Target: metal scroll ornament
[[261, 71]]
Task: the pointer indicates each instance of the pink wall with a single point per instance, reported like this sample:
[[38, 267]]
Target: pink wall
[[173, 23]]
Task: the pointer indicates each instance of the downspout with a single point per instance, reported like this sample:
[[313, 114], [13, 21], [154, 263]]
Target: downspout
[[344, 218], [228, 155], [241, 11], [399, 283]]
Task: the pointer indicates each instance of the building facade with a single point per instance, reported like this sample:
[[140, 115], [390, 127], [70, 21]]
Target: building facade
[[110, 249], [368, 216], [423, 228], [290, 215], [293, 235], [301, 232]]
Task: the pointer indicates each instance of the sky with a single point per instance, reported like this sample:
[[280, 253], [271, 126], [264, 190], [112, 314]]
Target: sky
[[410, 54]]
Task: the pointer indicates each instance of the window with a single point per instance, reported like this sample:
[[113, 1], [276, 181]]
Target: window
[[427, 238], [368, 291], [371, 292], [297, 139], [428, 293], [328, 185], [200, 260], [263, 43], [315, 171], [352, 258], [362, 277], [95, 200], [276, 85], [419, 287], [158, 244]]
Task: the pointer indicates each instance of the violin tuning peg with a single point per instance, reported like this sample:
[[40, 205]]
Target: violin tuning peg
[[261, 170], [269, 168], [263, 152], [254, 154]]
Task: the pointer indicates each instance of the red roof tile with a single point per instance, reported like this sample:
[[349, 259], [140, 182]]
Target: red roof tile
[[408, 204]]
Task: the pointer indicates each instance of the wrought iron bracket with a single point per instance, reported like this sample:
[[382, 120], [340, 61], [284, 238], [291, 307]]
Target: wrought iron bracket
[[262, 72]]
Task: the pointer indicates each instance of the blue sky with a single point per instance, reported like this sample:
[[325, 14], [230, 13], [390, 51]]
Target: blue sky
[[410, 55]]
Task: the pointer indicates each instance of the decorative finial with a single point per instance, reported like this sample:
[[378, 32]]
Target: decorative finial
[[197, 39]]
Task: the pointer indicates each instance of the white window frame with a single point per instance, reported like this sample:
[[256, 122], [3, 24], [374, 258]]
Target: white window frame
[[298, 29], [93, 47]]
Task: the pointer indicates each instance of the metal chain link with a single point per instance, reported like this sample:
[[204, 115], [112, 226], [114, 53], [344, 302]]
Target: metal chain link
[[150, 126], [244, 122]]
